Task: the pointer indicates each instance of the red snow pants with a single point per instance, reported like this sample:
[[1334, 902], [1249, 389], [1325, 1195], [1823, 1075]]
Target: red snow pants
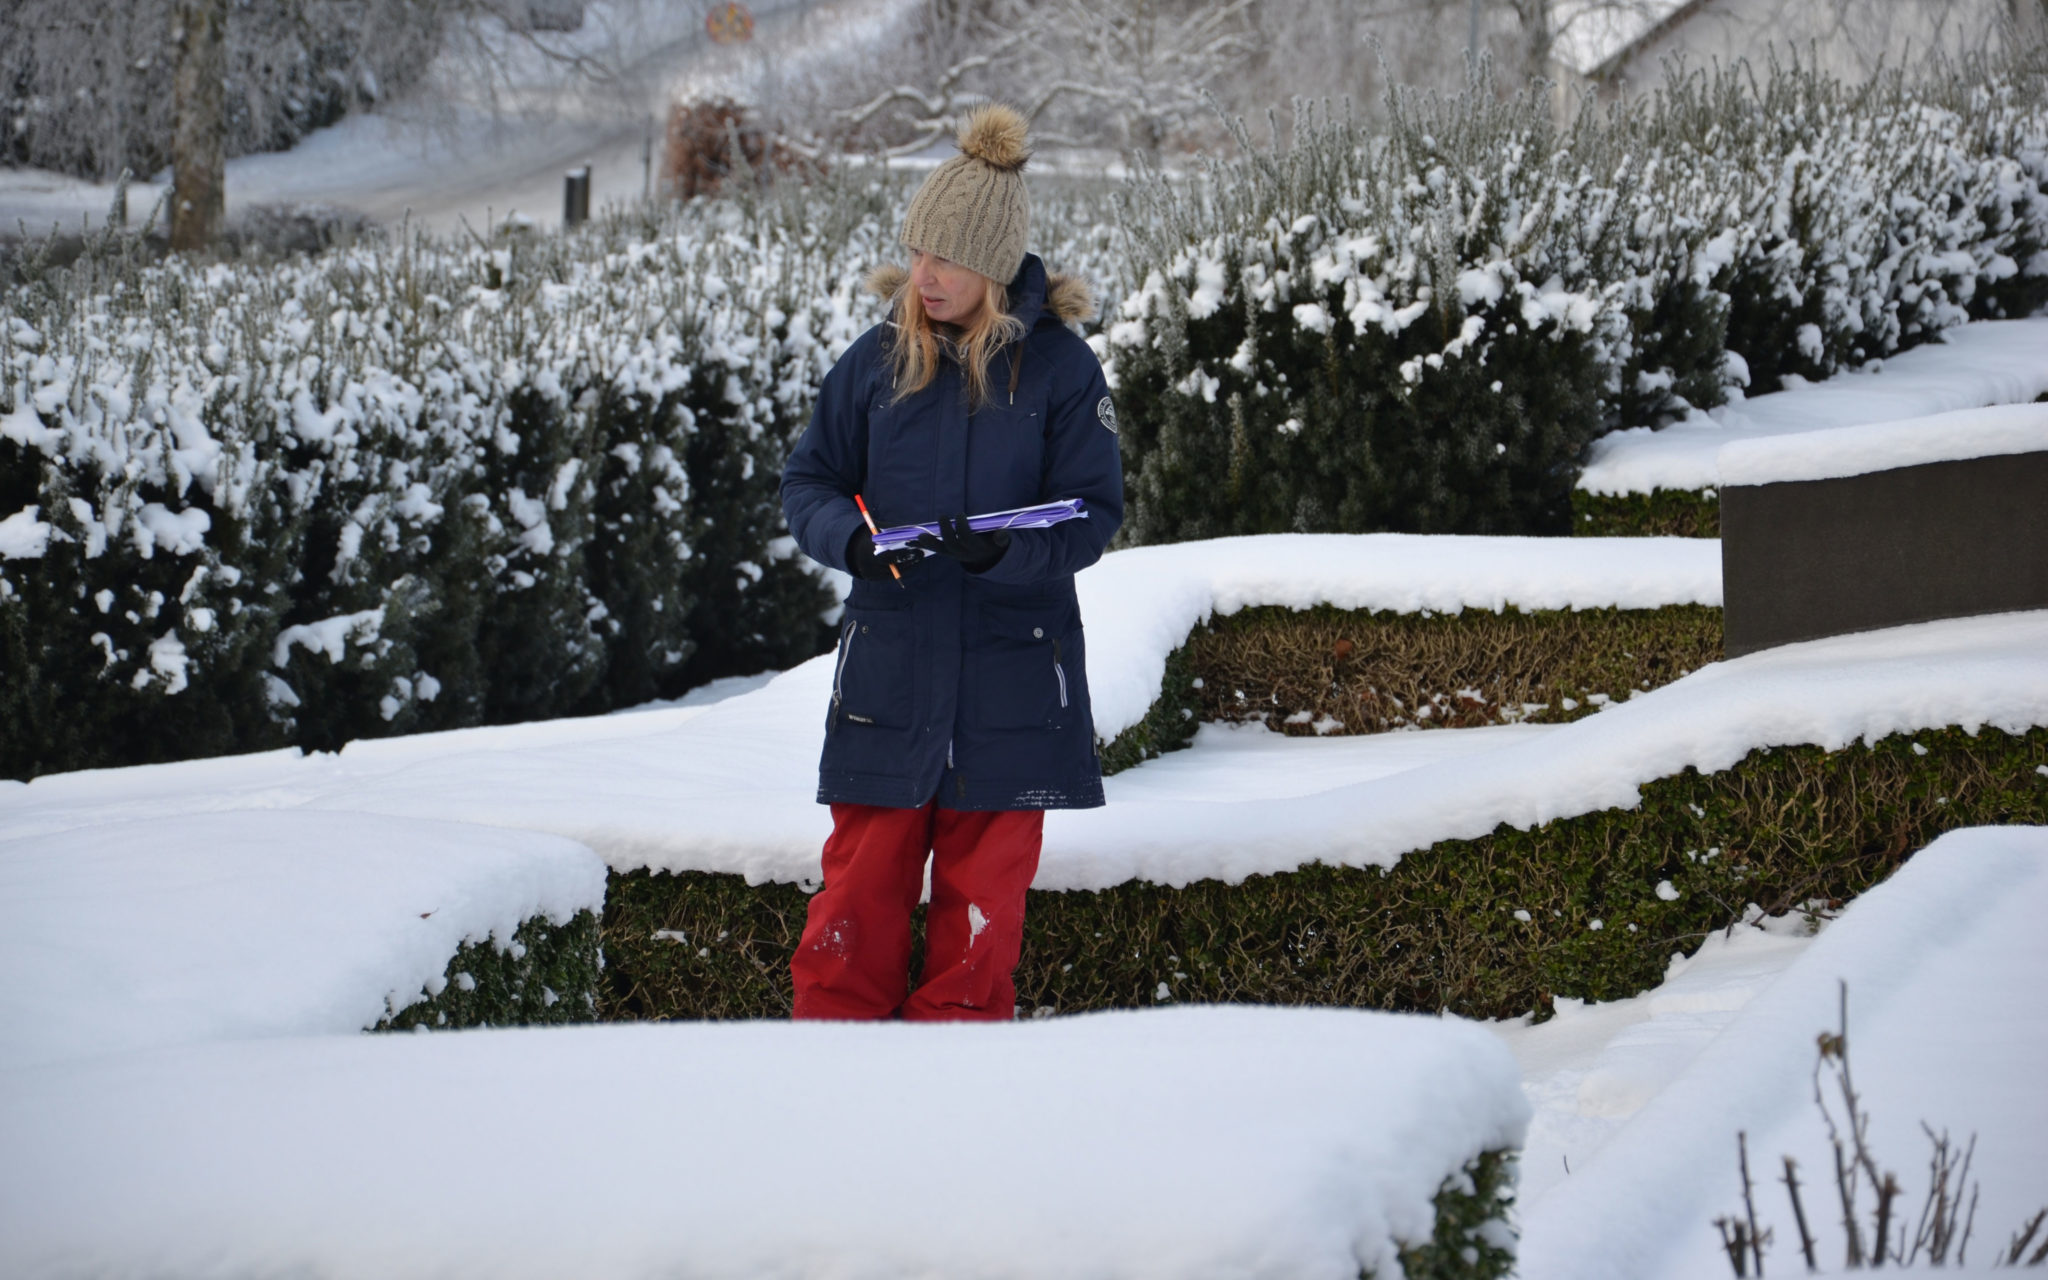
[[854, 960]]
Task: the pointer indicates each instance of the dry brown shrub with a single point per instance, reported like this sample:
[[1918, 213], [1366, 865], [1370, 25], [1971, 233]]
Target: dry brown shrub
[[697, 149], [1357, 671]]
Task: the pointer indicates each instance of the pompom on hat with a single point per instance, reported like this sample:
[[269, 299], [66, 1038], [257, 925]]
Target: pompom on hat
[[972, 209]]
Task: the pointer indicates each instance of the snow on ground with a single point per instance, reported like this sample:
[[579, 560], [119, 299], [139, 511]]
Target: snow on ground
[[1251, 762], [1985, 363], [216, 926], [1591, 1068], [1994, 432], [1948, 1024], [704, 696], [1187, 1142]]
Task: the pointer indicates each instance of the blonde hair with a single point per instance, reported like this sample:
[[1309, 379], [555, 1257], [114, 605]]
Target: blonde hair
[[919, 343]]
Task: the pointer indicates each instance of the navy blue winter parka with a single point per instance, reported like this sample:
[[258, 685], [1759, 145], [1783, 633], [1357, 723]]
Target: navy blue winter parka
[[971, 688]]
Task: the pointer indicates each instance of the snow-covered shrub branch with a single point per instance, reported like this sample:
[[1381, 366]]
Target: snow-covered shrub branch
[[417, 485], [1419, 327]]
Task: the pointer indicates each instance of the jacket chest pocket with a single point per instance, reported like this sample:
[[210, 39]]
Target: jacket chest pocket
[[1025, 669], [872, 672], [1006, 463]]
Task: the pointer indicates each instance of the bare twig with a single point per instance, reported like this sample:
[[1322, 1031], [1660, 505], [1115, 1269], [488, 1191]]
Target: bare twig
[[1887, 1194], [2017, 1248], [1956, 1204], [1791, 1181], [1735, 1241], [1756, 1238], [1969, 1225]]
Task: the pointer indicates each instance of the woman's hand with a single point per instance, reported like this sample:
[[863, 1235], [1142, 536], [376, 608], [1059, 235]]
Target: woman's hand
[[975, 551], [865, 562]]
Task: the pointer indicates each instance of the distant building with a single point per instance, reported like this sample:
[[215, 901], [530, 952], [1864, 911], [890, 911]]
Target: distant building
[[1616, 43]]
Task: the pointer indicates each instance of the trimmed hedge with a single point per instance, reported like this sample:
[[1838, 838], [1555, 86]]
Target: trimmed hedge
[[1674, 513], [1327, 670], [1493, 927], [548, 974], [1354, 666]]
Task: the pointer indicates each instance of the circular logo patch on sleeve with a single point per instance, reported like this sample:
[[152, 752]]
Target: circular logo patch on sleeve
[[1107, 412]]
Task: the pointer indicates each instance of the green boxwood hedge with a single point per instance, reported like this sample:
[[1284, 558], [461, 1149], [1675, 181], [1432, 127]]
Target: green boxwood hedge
[[1591, 907], [547, 973], [1675, 513]]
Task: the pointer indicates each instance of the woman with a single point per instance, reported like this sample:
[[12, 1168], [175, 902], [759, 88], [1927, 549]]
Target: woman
[[959, 709]]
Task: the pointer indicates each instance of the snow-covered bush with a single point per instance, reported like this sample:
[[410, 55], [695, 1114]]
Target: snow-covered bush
[[418, 485], [1420, 327]]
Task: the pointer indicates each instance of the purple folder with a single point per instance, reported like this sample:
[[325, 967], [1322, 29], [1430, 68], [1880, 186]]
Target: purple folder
[[1038, 517]]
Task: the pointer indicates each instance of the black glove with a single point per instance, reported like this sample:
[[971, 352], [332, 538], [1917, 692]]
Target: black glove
[[977, 552], [865, 562]]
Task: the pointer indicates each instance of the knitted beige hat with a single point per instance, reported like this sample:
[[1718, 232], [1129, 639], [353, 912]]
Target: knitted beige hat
[[972, 209]]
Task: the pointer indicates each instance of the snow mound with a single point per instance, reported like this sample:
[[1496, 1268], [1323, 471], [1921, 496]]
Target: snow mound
[[1994, 432], [1948, 1023], [1990, 362], [1139, 605], [227, 926], [1219, 1141]]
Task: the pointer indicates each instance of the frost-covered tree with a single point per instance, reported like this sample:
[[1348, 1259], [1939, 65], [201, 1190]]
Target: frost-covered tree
[[94, 87], [1144, 68], [86, 86], [1120, 73]]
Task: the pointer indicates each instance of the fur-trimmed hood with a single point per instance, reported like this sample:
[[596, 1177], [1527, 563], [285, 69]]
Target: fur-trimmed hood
[[1068, 299]]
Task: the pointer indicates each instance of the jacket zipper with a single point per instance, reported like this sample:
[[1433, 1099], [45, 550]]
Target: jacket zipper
[[839, 673], [1061, 672]]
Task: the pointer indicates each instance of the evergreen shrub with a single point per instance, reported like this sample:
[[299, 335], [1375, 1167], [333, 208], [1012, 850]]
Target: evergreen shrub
[[420, 485], [1660, 513], [545, 974], [1471, 1235], [1591, 907], [1419, 326]]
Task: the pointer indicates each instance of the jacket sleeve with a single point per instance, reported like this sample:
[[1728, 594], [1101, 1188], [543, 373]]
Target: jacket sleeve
[[829, 462], [1082, 462]]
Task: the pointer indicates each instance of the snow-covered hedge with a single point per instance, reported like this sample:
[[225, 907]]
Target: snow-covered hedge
[[177, 929], [1170, 1145], [1588, 906], [418, 485], [1421, 328]]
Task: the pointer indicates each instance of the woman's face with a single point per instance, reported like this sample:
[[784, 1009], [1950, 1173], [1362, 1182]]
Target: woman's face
[[952, 294]]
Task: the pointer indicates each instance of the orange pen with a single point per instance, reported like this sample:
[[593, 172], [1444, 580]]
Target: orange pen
[[894, 572]]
